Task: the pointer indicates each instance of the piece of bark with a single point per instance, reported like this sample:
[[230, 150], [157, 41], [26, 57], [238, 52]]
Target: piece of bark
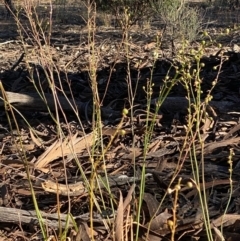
[[23, 217], [18, 216], [32, 101], [176, 104], [35, 102]]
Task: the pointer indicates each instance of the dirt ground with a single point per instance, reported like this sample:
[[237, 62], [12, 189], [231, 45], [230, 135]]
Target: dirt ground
[[49, 165]]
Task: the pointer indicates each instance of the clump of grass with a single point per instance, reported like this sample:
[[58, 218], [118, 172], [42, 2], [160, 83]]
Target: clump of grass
[[126, 12], [181, 22]]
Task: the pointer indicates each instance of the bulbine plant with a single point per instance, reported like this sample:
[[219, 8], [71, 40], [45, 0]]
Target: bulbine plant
[[191, 79]]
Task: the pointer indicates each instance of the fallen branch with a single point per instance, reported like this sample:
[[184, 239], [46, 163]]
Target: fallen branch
[[176, 104], [23, 217], [46, 102], [32, 101]]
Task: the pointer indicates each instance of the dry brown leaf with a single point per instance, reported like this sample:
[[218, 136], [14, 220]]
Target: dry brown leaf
[[25, 147], [232, 131], [225, 220], [214, 145], [133, 153], [119, 220], [149, 234], [63, 148], [160, 221], [206, 186], [152, 203], [207, 125], [114, 130], [41, 162], [219, 235], [149, 46], [154, 145], [69, 146], [128, 199], [34, 139], [82, 233]]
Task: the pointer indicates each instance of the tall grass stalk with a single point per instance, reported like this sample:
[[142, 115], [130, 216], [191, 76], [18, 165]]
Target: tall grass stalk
[[99, 162], [167, 86], [23, 157]]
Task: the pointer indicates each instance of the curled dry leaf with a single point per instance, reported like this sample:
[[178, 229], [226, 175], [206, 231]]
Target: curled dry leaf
[[63, 148], [119, 220], [71, 145], [128, 199], [34, 139], [218, 234], [83, 231], [160, 221], [225, 220], [152, 203]]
